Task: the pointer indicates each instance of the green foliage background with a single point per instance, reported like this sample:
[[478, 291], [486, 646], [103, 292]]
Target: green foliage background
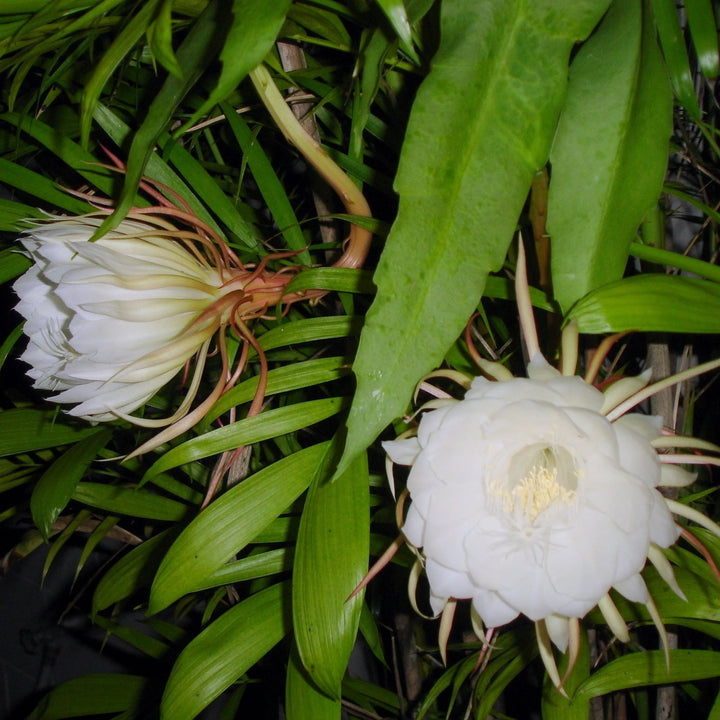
[[451, 115]]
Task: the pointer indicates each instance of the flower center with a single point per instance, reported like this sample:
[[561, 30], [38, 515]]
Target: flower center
[[539, 476]]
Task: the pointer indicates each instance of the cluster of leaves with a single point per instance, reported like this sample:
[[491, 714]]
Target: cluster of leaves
[[466, 109]]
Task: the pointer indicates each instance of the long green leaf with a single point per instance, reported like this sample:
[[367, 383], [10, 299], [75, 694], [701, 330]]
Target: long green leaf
[[610, 153], [128, 501], [56, 485], [283, 379], [24, 430], [703, 30], [676, 57], [271, 423], [224, 650], [648, 668], [330, 562], [134, 571], [253, 29], [91, 695], [123, 43], [303, 701], [195, 53], [195, 179], [651, 303], [481, 125], [268, 183], [230, 523]]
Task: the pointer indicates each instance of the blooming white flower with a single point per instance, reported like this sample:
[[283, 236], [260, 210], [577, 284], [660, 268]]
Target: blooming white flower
[[527, 500], [538, 495], [111, 321]]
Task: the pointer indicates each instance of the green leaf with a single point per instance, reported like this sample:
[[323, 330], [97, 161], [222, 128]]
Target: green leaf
[[194, 175], [280, 380], [134, 571], [395, 12], [123, 43], [648, 668], [74, 155], [91, 695], [12, 264], [38, 186], [610, 153], [672, 41], [337, 279], [703, 30], [271, 423], [651, 303], [24, 430], [227, 525], [462, 184], [330, 561], [692, 265], [303, 701], [56, 485], [269, 184], [197, 50], [313, 329], [224, 650], [159, 34], [253, 29], [130, 501]]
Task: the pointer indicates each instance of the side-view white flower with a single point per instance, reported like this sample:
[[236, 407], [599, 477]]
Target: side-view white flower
[[110, 322], [537, 495]]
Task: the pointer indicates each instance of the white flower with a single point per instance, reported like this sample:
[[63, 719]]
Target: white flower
[[536, 496], [527, 500], [110, 322]]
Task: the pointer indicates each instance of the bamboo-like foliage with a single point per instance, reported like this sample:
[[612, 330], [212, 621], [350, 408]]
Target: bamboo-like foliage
[[588, 126]]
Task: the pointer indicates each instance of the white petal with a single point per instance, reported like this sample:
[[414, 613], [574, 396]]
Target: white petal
[[633, 588], [402, 452]]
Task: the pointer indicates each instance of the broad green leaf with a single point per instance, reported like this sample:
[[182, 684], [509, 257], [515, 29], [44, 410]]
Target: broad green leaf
[[481, 125], [224, 650], [330, 562], [56, 485], [24, 430], [129, 501], [132, 572], [268, 424], [651, 303], [92, 695], [648, 668], [253, 28], [672, 41], [610, 153], [303, 701], [228, 524], [703, 30]]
